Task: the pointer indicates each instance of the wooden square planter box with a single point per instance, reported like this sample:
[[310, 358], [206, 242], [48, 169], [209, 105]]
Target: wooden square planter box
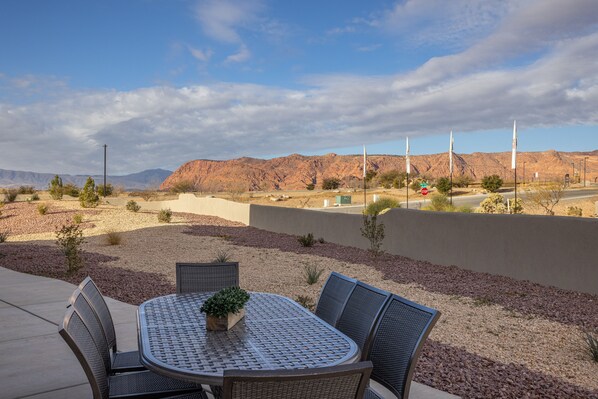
[[224, 323]]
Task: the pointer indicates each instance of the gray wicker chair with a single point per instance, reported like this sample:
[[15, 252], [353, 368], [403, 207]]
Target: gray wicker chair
[[338, 382], [333, 297], [361, 313], [141, 384], [395, 347], [206, 277], [121, 361]]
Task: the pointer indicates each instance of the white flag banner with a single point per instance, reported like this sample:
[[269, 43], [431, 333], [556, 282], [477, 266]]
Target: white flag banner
[[514, 156], [365, 160], [407, 160], [451, 154]]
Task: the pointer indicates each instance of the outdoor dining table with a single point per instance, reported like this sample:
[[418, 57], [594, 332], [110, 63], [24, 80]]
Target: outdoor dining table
[[276, 333]]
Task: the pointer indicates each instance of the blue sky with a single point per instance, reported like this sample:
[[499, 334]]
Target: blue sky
[[162, 82]]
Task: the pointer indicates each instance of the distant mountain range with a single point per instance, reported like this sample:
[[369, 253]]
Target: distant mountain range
[[295, 172], [148, 179]]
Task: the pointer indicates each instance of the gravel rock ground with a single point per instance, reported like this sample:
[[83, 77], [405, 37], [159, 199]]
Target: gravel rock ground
[[488, 343]]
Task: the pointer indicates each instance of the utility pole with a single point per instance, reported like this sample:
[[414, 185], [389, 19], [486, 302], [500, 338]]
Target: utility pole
[[573, 174], [584, 170], [523, 172], [105, 170]]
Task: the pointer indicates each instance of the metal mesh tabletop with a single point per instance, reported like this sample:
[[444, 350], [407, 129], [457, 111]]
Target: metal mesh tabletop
[[276, 333]]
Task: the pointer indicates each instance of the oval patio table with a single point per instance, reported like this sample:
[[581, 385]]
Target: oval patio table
[[276, 333]]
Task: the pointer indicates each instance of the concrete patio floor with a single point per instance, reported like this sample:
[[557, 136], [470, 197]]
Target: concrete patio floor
[[36, 363]]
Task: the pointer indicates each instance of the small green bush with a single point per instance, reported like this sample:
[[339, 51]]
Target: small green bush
[[42, 209], [306, 301], [164, 216], [78, 218], [494, 203], [11, 194], [88, 197], [462, 181], [3, 236], [70, 238], [222, 256], [35, 197], [392, 178], [374, 208], [55, 188], [440, 203], [109, 190], [321, 240], [592, 342], [133, 206], [312, 273], [492, 183], [225, 301], [331, 183], [306, 240], [574, 211], [374, 232], [26, 190], [183, 186], [71, 190], [310, 186], [415, 185], [113, 238], [443, 185]]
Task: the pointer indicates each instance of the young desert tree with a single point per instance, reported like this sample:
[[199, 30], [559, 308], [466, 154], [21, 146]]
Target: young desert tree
[[88, 197], [331, 183], [55, 188], [492, 183], [546, 196], [443, 185]]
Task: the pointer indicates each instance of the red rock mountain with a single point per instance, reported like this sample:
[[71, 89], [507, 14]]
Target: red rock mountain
[[295, 171]]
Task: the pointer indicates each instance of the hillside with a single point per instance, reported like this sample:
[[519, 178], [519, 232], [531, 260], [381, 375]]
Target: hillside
[[295, 171], [146, 179]]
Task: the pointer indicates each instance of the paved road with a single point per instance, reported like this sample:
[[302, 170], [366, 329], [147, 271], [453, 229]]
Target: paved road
[[469, 200]]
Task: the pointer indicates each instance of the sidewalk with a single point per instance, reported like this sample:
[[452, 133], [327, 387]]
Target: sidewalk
[[36, 363]]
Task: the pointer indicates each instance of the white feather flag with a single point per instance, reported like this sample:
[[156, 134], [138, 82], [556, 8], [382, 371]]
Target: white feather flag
[[407, 160], [514, 156]]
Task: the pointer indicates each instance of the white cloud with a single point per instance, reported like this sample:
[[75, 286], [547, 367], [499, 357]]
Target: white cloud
[[240, 56], [200, 55], [221, 19]]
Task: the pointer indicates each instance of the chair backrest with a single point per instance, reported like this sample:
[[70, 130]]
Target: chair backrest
[[333, 297], [206, 277], [398, 338], [338, 382], [89, 317], [97, 302], [361, 313], [78, 337]]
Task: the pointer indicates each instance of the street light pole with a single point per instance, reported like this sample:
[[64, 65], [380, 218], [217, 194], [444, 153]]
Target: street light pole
[[523, 172], [584, 170], [105, 170], [572, 174]]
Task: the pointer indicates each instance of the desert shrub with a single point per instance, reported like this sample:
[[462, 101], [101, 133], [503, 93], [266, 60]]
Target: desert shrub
[[71, 190], [374, 208], [306, 301], [78, 218], [183, 186], [109, 190], [443, 185], [146, 195], [222, 256], [164, 216], [3, 236], [321, 240], [26, 190], [113, 238], [546, 196], [392, 178], [133, 206], [494, 203], [310, 186], [55, 188], [70, 238], [415, 185], [370, 175], [462, 181], [592, 343], [574, 211], [464, 209], [42, 209], [492, 183], [374, 232], [11, 194], [331, 183], [440, 203], [307, 240], [88, 197], [35, 197], [312, 274], [515, 206]]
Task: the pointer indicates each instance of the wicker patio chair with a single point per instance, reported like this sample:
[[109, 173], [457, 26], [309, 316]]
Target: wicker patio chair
[[121, 361], [206, 277], [141, 384], [338, 382], [361, 313], [396, 344], [333, 297]]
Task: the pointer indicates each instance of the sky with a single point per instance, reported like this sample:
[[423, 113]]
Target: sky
[[163, 82]]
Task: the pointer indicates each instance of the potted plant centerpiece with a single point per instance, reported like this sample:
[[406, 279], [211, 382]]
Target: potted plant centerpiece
[[225, 308]]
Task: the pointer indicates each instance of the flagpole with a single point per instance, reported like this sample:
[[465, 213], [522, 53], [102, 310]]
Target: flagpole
[[364, 173], [407, 169], [514, 162], [451, 164]]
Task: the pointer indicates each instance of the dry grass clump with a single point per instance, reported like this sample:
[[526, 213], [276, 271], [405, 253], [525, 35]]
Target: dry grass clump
[[113, 238]]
